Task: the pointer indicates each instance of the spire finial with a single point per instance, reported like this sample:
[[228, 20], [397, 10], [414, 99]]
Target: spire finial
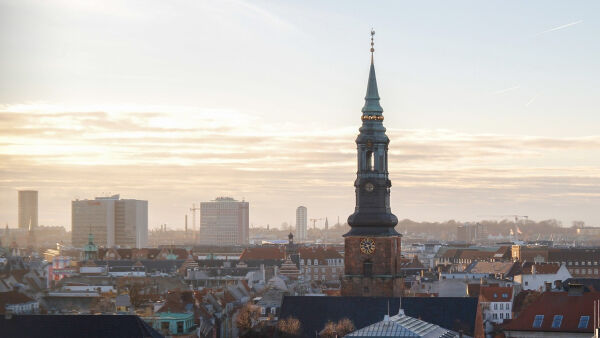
[[372, 43]]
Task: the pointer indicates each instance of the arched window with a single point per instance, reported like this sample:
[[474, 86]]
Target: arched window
[[370, 161], [367, 268]]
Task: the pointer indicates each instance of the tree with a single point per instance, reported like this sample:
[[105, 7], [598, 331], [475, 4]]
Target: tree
[[289, 327], [247, 317], [344, 326], [339, 329]]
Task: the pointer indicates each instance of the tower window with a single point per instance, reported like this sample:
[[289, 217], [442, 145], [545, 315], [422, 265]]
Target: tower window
[[368, 268], [370, 161]]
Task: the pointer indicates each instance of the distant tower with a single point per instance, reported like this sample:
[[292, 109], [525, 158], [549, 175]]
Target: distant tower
[[28, 209], [301, 223], [372, 246], [90, 250]]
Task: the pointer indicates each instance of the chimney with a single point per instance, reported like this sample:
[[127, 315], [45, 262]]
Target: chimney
[[533, 269], [575, 289]]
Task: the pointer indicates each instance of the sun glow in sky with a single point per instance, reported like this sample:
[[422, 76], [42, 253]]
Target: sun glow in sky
[[491, 107]]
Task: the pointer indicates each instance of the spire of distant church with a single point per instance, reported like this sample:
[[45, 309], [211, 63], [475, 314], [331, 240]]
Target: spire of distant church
[[372, 98]]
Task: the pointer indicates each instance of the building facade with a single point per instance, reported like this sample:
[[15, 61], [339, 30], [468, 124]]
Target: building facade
[[301, 223], [320, 264], [28, 209], [112, 221], [372, 246], [224, 221]]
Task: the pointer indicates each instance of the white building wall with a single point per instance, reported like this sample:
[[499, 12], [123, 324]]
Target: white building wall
[[537, 282]]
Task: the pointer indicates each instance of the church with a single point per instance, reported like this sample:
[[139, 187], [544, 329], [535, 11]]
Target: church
[[372, 285], [372, 246]]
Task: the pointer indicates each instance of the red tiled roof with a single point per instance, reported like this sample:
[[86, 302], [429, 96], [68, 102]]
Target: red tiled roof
[[13, 297], [540, 268], [318, 253], [571, 307], [263, 252], [495, 294]]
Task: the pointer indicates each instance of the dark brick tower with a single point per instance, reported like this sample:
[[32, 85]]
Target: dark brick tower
[[372, 246]]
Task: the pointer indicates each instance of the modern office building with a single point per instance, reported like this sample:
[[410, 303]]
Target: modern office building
[[112, 221], [301, 223], [224, 221], [28, 209]]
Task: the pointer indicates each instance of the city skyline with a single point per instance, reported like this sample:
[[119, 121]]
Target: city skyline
[[480, 123]]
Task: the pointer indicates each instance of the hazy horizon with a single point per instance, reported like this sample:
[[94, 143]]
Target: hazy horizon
[[490, 107]]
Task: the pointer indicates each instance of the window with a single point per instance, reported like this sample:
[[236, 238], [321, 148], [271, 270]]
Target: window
[[273, 310], [495, 316], [502, 316], [501, 306], [508, 306], [370, 161], [308, 261], [263, 310], [526, 283], [557, 321], [316, 262], [367, 268], [537, 321], [583, 322], [507, 315], [495, 306]]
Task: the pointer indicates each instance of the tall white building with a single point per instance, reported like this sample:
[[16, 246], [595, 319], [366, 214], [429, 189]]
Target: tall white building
[[224, 221], [112, 221], [301, 223], [28, 209]]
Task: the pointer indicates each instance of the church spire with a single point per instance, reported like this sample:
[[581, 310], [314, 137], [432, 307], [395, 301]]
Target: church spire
[[372, 105]]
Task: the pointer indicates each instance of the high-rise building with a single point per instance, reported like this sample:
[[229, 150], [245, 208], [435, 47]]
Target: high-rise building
[[224, 221], [301, 223], [111, 220], [372, 246], [28, 209]]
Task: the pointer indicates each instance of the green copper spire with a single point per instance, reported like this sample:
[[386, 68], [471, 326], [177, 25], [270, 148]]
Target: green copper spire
[[372, 98]]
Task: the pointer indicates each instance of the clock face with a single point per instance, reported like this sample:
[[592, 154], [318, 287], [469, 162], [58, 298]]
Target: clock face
[[367, 246], [369, 187]]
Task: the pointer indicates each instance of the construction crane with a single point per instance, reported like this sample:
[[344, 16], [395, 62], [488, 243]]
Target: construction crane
[[314, 220], [193, 210]]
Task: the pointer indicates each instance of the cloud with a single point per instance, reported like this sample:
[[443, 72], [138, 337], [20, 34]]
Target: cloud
[[172, 159], [560, 27], [502, 91]]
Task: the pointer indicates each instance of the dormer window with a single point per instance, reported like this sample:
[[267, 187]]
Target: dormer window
[[557, 321], [537, 321]]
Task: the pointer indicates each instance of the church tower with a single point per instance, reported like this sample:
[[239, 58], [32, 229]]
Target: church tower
[[372, 246]]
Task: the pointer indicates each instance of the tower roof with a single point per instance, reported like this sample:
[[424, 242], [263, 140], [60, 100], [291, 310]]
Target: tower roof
[[372, 98]]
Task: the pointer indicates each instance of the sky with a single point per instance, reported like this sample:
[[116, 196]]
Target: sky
[[491, 106]]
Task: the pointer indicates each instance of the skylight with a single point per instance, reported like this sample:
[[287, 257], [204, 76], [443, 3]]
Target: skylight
[[583, 322], [537, 321], [557, 321]]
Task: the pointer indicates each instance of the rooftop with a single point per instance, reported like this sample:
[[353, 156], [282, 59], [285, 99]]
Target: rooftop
[[402, 325]]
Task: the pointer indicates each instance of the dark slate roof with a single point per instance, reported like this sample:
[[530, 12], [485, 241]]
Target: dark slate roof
[[452, 313], [590, 284], [66, 326]]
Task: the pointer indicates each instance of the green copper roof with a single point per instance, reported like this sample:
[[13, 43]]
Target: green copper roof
[[372, 98]]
